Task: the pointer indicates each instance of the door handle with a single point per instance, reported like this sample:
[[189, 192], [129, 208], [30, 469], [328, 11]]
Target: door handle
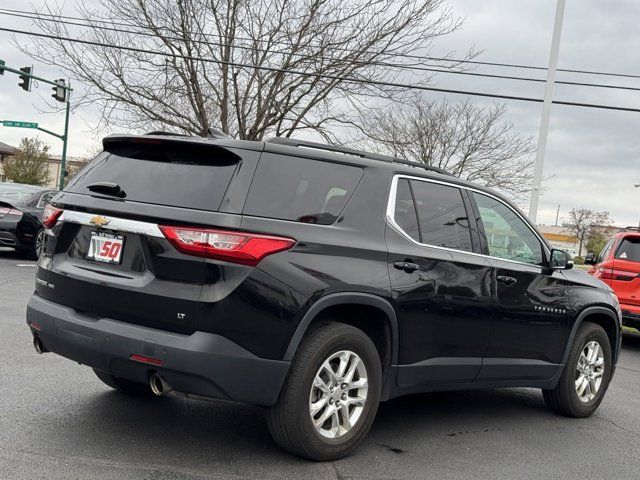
[[406, 266], [508, 281]]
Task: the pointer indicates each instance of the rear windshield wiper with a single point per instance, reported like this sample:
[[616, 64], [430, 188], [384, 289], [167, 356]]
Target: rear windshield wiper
[[107, 188]]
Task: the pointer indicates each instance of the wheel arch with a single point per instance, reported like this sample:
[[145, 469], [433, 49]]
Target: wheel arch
[[607, 319], [345, 299]]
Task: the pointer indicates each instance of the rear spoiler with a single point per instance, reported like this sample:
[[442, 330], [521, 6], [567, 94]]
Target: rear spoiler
[[171, 149]]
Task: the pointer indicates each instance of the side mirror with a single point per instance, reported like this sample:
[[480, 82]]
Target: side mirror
[[561, 260], [590, 259]]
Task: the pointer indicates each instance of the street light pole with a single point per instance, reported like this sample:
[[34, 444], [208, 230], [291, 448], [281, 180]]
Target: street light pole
[[546, 111], [65, 136]]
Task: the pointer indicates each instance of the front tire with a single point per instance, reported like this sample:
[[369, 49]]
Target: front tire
[[586, 375], [330, 398]]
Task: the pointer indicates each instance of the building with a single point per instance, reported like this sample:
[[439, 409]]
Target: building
[[73, 165], [560, 237], [5, 152]]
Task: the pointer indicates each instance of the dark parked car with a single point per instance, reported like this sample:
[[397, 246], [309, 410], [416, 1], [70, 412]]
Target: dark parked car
[[313, 280], [21, 208]]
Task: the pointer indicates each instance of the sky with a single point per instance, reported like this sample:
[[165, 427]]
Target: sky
[[592, 157]]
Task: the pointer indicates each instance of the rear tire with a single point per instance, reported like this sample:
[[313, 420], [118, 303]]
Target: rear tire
[[123, 385], [33, 252], [336, 366], [572, 397]]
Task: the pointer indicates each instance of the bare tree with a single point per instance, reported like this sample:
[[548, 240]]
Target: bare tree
[[584, 223], [250, 67], [466, 140], [31, 164]]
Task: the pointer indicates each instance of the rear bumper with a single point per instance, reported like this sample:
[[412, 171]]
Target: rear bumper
[[201, 363], [8, 239], [630, 315]]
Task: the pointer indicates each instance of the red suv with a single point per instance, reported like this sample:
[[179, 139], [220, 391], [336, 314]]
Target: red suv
[[618, 265]]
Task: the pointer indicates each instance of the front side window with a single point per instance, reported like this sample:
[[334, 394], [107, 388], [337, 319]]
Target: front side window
[[604, 253], [508, 236], [46, 198], [442, 217]]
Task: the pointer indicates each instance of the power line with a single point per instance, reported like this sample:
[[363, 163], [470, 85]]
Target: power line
[[316, 75], [364, 63], [37, 15]]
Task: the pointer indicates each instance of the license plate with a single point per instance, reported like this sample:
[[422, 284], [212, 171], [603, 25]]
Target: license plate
[[105, 247]]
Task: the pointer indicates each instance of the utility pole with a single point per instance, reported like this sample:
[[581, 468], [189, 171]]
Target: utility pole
[[557, 214], [636, 186], [62, 93], [546, 111]]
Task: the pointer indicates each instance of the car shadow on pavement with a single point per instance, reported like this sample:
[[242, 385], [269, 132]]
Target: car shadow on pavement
[[631, 341], [10, 254], [222, 435]]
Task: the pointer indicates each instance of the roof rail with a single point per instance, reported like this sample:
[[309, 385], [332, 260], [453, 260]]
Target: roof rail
[[292, 142], [633, 229]]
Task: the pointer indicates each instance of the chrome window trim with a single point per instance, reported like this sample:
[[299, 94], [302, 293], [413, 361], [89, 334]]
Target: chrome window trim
[[115, 223], [391, 207]]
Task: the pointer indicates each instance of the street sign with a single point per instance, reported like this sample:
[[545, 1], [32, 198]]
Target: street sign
[[13, 123]]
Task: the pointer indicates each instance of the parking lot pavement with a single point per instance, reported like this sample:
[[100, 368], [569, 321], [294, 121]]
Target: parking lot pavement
[[57, 421]]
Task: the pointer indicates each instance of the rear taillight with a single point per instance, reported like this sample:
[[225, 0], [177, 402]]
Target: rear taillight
[[235, 247], [613, 274], [50, 216], [4, 211]]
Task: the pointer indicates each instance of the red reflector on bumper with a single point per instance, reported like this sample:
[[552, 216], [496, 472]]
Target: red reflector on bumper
[[34, 325], [150, 360]]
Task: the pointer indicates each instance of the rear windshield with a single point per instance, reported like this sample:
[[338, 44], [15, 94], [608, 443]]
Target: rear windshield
[[13, 193], [176, 178], [629, 250], [299, 189]]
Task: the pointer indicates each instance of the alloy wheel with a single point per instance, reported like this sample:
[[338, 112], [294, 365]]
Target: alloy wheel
[[338, 394], [40, 243], [589, 371]]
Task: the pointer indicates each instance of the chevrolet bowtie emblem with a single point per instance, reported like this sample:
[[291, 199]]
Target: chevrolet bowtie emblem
[[99, 221]]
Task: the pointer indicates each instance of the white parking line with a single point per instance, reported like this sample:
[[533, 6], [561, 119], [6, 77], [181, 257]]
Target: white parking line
[[27, 265]]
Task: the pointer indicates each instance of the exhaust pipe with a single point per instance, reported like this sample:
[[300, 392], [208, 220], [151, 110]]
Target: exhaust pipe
[[38, 345], [159, 385]]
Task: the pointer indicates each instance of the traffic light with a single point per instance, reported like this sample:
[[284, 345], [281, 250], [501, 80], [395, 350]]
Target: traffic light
[[25, 82], [59, 92]]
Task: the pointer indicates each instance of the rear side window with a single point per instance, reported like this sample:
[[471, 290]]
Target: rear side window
[[405, 214], [175, 175], [629, 250], [442, 217], [299, 189]]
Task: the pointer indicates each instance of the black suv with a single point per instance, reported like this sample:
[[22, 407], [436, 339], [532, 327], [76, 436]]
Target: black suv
[[312, 280]]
